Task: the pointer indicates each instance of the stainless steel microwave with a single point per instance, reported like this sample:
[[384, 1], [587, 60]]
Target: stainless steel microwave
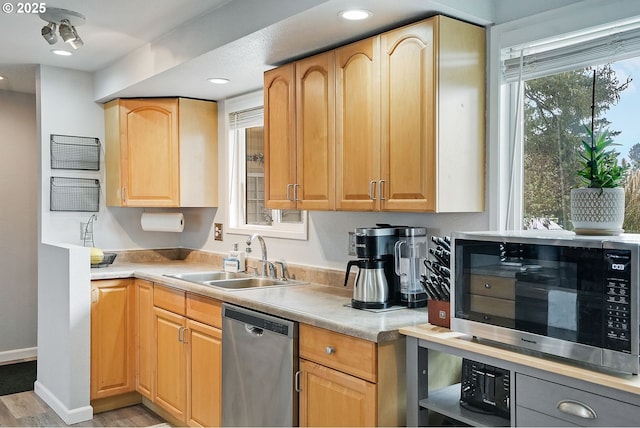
[[554, 292]]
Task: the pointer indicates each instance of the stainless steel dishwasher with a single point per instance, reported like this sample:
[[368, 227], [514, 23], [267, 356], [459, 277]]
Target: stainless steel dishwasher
[[259, 362]]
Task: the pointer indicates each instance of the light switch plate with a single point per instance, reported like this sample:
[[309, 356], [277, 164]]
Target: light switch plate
[[217, 231]]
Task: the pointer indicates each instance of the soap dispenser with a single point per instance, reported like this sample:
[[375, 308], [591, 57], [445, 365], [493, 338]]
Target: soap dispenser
[[239, 256]]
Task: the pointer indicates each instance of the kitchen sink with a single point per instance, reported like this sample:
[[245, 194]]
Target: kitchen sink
[[251, 282], [201, 277], [231, 280]]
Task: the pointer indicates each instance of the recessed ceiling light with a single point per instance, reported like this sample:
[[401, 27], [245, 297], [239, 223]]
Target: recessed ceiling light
[[355, 14], [61, 52], [2, 77], [218, 80]]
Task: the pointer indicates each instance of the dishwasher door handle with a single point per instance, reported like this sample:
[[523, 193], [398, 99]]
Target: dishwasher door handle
[[253, 330]]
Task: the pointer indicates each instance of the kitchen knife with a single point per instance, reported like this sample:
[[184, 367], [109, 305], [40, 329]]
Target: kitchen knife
[[436, 288], [434, 291], [426, 288], [427, 264]]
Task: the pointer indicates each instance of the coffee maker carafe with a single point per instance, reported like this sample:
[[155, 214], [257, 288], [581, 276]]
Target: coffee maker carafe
[[376, 284]]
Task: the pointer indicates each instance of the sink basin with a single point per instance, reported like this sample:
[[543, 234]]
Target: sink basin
[[251, 282], [201, 277], [231, 280]]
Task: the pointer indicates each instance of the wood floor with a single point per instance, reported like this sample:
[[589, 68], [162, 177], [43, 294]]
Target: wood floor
[[26, 409]]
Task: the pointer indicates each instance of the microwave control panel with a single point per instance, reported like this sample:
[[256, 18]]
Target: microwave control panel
[[618, 301]]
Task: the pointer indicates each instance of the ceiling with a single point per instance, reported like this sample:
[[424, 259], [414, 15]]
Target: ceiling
[[170, 47]]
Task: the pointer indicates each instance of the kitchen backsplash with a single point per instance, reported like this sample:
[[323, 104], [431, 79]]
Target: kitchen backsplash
[[298, 272]]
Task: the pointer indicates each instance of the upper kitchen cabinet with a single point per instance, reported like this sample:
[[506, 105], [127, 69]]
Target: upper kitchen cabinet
[[280, 137], [432, 117], [300, 134], [358, 126], [409, 121], [417, 145], [161, 152]]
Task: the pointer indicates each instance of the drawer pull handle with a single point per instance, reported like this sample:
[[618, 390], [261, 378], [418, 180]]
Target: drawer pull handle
[[330, 350], [577, 408], [487, 285]]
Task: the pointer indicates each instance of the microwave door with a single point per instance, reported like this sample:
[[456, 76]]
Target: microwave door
[[532, 307]]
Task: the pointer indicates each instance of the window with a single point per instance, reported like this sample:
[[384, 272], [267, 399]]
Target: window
[[247, 210], [549, 88]]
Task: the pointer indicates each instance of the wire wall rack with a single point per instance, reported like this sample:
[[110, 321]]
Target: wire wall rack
[[71, 152], [75, 194]]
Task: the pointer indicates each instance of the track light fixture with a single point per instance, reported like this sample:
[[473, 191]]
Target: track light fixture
[[66, 21], [49, 33]]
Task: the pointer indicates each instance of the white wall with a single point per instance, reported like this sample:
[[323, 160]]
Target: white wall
[[66, 107], [18, 225], [64, 331]]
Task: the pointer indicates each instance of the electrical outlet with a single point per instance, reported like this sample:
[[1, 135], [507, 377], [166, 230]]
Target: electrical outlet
[[217, 231]]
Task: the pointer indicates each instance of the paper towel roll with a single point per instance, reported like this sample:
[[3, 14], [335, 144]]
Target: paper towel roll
[[162, 222]]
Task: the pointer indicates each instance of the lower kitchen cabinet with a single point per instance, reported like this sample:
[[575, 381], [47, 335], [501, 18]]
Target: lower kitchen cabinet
[[332, 398], [112, 338], [188, 349], [347, 381], [171, 363], [145, 361], [204, 374]]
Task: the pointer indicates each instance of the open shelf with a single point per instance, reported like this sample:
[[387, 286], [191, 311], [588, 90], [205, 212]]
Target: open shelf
[[446, 401]]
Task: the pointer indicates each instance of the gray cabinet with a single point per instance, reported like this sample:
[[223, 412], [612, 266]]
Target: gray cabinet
[[569, 406], [538, 397]]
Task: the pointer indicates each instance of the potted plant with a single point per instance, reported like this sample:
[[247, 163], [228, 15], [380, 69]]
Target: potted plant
[[598, 208]]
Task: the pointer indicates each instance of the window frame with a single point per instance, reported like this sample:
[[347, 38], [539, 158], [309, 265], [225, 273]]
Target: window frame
[[296, 231], [506, 128]]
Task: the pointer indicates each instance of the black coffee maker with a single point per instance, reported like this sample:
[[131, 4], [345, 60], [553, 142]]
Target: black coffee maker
[[376, 286]]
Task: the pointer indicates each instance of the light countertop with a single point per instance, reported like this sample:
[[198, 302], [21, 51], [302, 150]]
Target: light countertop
[[314, 304], [430, 333]]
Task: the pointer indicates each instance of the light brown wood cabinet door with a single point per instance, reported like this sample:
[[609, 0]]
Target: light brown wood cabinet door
[[332, 398], [149, 148], [408, 118], [144, 338], [358, 125], [315, 136], [204, 372], [171, 378], [280, 137], [112, 333]]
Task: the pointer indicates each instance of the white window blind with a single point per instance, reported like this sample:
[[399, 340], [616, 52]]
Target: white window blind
[[568, 53], [246, 118]]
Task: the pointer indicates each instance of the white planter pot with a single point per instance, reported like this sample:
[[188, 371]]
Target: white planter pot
[[597, 211]]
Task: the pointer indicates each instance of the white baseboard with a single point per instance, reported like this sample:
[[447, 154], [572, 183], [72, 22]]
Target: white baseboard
[[18, 354], [69, 416]]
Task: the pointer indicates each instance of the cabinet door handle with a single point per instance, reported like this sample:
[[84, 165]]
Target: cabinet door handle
[[372, 184], [180, 332], [577, 408], [295, 192], [330, 350], [289, 192], [381, 190], [123, 194], [297, 382], [184, 334]]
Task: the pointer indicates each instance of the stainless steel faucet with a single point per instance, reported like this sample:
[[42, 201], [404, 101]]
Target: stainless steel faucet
[[263, 248]]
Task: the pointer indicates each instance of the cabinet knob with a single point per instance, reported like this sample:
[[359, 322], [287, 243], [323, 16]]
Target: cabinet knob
[[330, 350], [487, 285]]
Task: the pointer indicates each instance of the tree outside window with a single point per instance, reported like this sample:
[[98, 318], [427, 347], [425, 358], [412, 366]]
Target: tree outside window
[[556, 110]]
